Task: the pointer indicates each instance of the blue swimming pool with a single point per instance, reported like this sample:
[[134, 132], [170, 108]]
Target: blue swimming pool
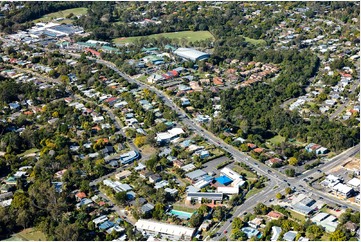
[[181, 214]]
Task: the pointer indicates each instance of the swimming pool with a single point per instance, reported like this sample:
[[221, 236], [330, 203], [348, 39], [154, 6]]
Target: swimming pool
[[181, 214]]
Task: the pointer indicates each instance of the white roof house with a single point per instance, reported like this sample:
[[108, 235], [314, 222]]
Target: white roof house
[[169, 230], [276, 231]]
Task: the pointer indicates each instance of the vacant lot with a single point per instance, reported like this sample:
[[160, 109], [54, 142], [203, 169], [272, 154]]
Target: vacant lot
[[353, 164], [61, 14], [190, 36]]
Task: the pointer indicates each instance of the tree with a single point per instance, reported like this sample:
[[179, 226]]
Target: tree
[[237, 223], [293, 161], [314, 232], [140, 141], [121, 197], [203, 209], [23, 218], [288, 190], [279, 196], [338, 235], [196, 220], [260, 209], [219, 213], [237, 234], [158, 211], [290, 172]]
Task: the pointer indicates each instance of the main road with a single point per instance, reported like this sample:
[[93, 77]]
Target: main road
[[277, 181]]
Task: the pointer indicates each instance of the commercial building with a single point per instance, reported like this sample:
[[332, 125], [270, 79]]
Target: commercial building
[[204, 195], [343, 190], [191, 54], [167, 231], [230, 174]]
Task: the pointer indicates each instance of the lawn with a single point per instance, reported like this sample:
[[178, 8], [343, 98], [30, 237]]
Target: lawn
[[277, 139], [61, 14], [254, 41], [191, 36], [297, 216], [29, 235]]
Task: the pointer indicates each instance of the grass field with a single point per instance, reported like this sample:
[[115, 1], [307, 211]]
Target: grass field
[[61, 14], [191, 36], [254, 41], [28, 235], [277, 139]]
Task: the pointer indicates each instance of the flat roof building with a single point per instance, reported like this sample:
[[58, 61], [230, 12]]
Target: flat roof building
[[191, 54], [167, 231]]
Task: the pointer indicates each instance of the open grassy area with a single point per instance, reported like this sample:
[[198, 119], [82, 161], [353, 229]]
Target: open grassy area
[[191, 36], [61, 14], [183, 208], [297, 216], [249, 175], [28, 235], [34, 150], [254, 41], [277, 139]]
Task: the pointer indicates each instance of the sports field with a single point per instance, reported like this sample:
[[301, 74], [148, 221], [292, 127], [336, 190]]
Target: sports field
[[191, 36], [61, 14]]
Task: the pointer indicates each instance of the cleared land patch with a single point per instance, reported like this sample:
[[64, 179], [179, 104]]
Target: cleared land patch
[[277, 140], [62, 14], [190, 36], [254, 41]]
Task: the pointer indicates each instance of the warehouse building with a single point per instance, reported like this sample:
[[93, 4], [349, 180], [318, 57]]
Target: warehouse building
[[167, 231], [191, 54]]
